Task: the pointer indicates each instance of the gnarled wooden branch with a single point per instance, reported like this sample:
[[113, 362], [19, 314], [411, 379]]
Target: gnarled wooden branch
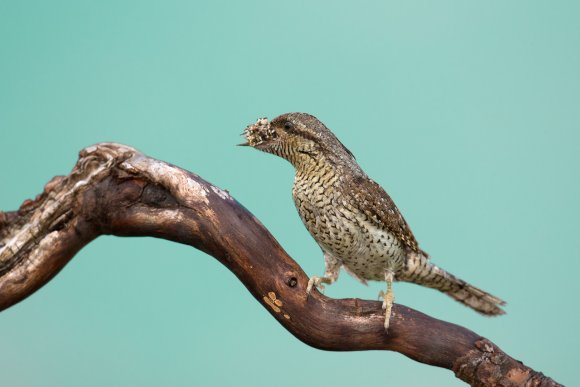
[[114, 189]]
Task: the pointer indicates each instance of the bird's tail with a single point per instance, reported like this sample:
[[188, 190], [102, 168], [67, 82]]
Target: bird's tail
[[421, 271]]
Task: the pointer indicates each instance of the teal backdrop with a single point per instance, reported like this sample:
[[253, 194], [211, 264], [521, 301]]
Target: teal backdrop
[[466, 112]]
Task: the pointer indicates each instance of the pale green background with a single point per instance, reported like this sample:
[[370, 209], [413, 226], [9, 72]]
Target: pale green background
[[467, 112]]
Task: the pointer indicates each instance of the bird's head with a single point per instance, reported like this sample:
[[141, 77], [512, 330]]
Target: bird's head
[[295, 137]]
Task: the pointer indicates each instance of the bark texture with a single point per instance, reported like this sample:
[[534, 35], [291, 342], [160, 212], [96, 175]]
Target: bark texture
[[114, 189]]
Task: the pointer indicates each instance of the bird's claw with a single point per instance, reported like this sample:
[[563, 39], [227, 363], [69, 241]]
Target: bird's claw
[[381, 296], [315, 282], [388, 299]]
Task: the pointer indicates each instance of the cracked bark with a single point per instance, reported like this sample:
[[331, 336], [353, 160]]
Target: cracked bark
[[114, 189]]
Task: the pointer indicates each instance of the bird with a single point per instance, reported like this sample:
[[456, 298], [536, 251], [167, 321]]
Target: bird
[[352, 218]]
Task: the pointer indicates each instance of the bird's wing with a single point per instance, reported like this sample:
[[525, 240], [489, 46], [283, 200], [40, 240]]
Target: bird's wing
[[374, 202]]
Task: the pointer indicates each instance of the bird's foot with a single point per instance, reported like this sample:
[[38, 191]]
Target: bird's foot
[[381, 297], [385, 297], [317, 282], [388, 298]]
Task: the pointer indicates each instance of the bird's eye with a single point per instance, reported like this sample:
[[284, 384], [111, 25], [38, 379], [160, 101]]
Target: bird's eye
[[288, 125]]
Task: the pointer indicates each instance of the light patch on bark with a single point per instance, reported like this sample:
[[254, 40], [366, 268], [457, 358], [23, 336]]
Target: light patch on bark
[[176, 180], [221, 193]]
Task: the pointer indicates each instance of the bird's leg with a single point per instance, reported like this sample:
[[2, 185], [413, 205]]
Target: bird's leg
[[330, 274], [388, 297]]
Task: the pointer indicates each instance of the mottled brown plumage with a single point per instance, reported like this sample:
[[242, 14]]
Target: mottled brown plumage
[[353, 219], [381, 210]]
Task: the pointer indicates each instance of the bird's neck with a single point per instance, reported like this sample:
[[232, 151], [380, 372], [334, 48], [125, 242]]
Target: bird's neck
[[310, 166]]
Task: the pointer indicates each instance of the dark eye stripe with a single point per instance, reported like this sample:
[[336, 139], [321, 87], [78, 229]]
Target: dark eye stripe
[[289, 127]]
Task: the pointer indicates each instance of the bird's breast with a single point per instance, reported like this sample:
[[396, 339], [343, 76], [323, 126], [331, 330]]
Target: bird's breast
[[341, 229]]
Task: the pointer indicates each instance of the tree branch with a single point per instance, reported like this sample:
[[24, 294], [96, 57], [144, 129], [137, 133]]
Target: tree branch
[[114, 189]]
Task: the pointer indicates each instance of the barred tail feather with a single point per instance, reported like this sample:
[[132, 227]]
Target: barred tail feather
[[422, 272]]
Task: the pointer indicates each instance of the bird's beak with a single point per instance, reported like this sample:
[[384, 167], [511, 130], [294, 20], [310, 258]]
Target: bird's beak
[[257, 133], [243, 134]]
